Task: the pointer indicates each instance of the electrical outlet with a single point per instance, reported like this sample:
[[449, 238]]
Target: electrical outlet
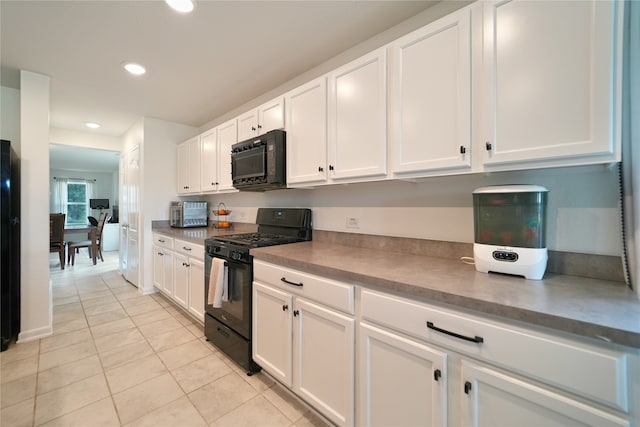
[[353, 223]]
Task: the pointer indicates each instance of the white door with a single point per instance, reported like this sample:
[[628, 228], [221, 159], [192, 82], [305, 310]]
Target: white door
[[227, 136], [358, 118], [167, 272], [272, 332], [181, 279], [271, 116], [196, 288], [492, 398], [430, 99], [124, 219], [182, 168], [133, 215], [306, 111], [549, 80], [209, 161], [402, 382], [158, 267], [193, 171], [248, 125], [324, 360]]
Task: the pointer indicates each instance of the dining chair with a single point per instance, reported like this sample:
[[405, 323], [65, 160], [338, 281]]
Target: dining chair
[[56, 235], [94, 244]]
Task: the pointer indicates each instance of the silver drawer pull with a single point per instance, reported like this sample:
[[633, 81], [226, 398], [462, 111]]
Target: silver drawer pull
[[476, 339], [186, 248]]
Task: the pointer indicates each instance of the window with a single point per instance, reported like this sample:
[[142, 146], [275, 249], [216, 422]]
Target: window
[[77, 203]]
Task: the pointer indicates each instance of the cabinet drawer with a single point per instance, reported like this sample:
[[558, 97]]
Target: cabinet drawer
[[585, 369], [190, 249], [325, 291], [162, 240]]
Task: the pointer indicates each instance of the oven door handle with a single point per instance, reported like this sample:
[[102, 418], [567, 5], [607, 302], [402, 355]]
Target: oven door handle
[[284, 279]]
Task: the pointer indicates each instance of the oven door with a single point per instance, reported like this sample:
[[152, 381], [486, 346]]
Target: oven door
[[249, 164], [236, 308]]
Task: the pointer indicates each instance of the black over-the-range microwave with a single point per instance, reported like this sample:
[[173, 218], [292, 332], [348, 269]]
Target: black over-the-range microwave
[[259, 164]]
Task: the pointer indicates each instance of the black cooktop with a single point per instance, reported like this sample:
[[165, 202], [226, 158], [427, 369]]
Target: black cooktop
[[255, 240], [276, 226]]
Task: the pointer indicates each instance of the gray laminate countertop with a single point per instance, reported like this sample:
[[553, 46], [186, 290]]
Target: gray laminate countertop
[[603, 310], [197, 235]]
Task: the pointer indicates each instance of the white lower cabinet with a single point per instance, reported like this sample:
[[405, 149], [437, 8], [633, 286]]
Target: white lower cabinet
[[403, 382], [189, 277], [178, 271], [163, 263], [306, 344], [496, 374], [492, 398], [431, 365]]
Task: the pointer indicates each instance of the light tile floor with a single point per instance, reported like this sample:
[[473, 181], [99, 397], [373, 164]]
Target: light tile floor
[[118, 358]]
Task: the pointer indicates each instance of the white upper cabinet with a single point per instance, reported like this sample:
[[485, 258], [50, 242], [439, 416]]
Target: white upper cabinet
[[227, 136], [209, 160], [307, 133], [216, 158], [267, 117], [430, 98], [357, 118], [550, 83], [188, 167]]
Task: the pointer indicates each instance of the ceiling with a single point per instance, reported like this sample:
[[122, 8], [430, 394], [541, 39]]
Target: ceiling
[[81, 159], [199, 66]]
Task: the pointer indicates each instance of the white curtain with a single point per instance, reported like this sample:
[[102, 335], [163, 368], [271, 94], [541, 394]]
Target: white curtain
[[631, 142], [90, 192], [59, 196]]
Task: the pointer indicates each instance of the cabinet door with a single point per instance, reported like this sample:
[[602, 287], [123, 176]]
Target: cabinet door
[[492, 398], [271, 335], [306, 110], [181, 279], [167, 272], [324, 360], [227, 136], [248, 125], [209, 161], [389, 364], [188, 166], [358, 118], [271, 116], [551, 81], [194, 166], [431, 97], [182, 168], [158, 267], [196, 288]]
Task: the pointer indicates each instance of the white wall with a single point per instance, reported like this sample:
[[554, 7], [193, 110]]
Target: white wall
[[10, 116], [582, 214], [158, 184], [36, 303]]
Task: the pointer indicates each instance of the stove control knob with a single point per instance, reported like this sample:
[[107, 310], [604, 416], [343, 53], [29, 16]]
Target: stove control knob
[[235, 255]]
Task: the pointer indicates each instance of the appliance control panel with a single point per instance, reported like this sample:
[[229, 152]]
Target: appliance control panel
[[505, 256]]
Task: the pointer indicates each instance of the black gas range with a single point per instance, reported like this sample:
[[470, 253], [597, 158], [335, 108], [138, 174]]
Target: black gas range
[[228, 305]]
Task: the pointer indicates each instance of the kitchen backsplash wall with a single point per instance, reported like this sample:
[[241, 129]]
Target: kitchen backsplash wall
[[583, 213]]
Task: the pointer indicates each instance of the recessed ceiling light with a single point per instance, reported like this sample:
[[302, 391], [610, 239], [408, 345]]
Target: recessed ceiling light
[[134, 68], [93, 125], [182, 6]]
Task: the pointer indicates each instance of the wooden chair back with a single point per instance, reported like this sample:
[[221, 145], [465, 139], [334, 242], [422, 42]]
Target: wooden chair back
[[56, 229]]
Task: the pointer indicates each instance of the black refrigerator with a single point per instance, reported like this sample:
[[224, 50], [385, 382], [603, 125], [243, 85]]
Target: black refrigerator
[[10, 239]]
